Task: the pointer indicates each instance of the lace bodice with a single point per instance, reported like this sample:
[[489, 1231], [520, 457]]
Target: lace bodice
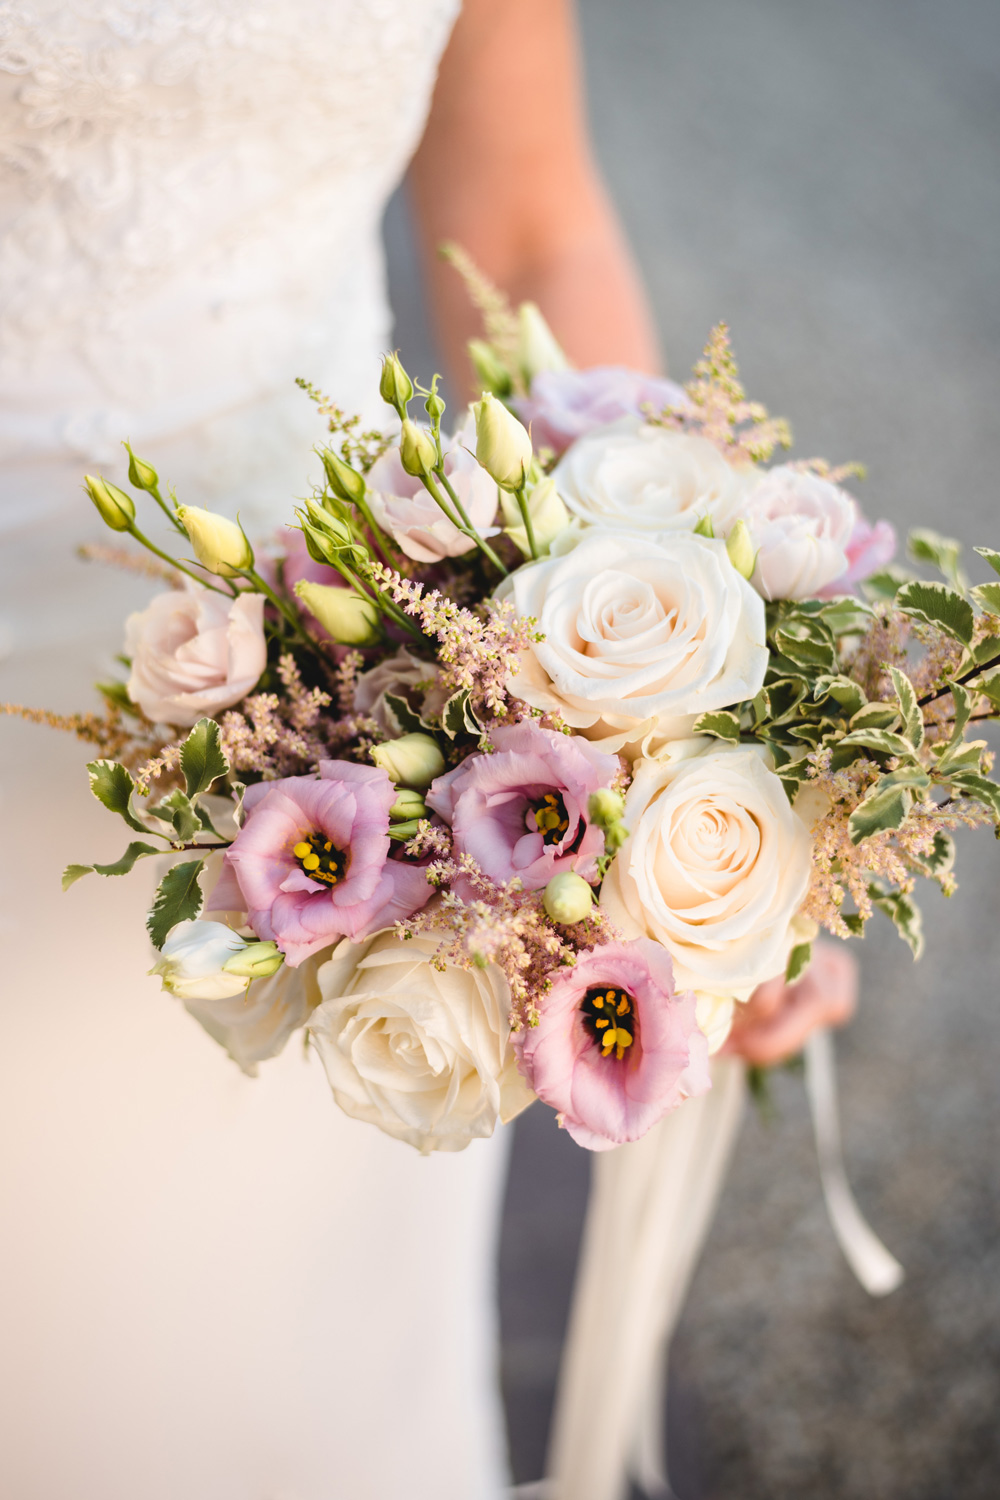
[[190, 197]]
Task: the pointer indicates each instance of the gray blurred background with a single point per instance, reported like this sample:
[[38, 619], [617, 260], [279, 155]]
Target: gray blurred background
[[826, 177]]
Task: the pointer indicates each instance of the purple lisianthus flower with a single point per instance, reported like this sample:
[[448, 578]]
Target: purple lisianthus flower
[[311, 862], [565, 404], [616, 1047], [868, 549], [523, 810]]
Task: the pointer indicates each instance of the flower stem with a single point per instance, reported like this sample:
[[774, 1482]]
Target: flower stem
[[463, 524], [529, 526], [165, 557]]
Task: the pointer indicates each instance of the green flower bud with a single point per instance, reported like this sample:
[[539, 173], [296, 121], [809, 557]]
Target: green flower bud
[[413, 760], [401, 832], [739, 545], [503, 446], [350, 618], [490, 371], [220, 545], [117, 509], [705, 527], [142, 475], [435, 408], [536, 344], [568, 898], [325, 521], [395, 387], [346, 483], [614, 836], [417, 449], [257, 961], [548, 515], [606, 807], [408, 804]]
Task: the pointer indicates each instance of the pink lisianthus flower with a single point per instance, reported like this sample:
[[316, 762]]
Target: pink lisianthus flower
[[403, 507], [868, 549], [523, 810], [616, 1048], [311, 862], [566, 404]]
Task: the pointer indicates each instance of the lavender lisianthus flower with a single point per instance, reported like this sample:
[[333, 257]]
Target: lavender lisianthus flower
[[311, 862], [566, 404], [616, 1047], [522, 811]]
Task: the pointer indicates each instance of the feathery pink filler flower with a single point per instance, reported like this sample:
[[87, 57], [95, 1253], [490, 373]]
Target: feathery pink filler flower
[[310, 864], [523, 810], [616, 1047]]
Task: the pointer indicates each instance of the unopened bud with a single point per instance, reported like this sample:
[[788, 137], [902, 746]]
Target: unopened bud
[[417, 449], [117, 509], [220, 545], [408, 804], [606, 807], [141, 474], [503, 446], [325, 521], [549, 517], [492, 374], [537, 348], [257, 961], [739, 545], [346, 483], [401, 832], [395, 387], [414, 760], [346, 615], [568, 898], [435, 408], [705, 527]]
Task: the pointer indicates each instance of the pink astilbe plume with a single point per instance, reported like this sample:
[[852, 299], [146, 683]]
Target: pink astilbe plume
[[719, 410]]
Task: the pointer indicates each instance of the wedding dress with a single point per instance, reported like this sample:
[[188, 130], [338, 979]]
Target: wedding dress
[[212, 1287]]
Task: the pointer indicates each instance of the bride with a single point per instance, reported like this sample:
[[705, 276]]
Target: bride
[[215, 1287]]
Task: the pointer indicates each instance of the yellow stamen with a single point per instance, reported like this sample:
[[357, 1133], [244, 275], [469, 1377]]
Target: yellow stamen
[[600, 1024], [310, 861], [301, 851]]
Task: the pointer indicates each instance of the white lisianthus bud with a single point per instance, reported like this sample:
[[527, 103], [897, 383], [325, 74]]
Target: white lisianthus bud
[[192, 963], [414, 760], [537, 348], [606, 807], [345, 482], [350, 619], [220, 545], [491, 373], [116, 509], [408, 804], [256, 961], [395, 386], [141, 474], [568, 898], [549, 517], [417, 449], [739, 545], [503, 446]]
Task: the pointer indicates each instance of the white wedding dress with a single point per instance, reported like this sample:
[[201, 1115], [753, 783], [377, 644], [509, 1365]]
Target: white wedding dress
[[211, 1287]]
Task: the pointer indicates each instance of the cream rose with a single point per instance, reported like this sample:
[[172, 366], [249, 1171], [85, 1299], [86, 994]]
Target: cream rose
[[636, 477], [715, 867], [642, 633], [255, 1025], [194, 652], [420, 1052], [800, 525]]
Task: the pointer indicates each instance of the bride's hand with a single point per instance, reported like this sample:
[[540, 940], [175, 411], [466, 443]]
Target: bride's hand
[[774, 1024]]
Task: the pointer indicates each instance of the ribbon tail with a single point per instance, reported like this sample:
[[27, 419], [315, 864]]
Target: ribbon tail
[[878, 1271]]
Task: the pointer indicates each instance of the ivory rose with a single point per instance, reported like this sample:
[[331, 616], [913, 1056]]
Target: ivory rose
[[641, 633], [402, 505], [715, 868], [194, 652], [636, 477], [421, 1052], [801, 526]]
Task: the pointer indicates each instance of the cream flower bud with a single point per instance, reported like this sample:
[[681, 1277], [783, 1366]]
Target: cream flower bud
[[408, 804], [417, 449], [739, 545], [345, 482], [503, 446], [395, 386], [413, 760], [192, 963], [141, 474], [549, 517], [568, 898], [220, 545], [351, 619], [537, 348], [117, 509], [491, 373], [256, 961]]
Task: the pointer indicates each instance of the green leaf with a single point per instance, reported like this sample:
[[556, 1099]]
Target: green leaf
[[116, 694], [962, 700], [724, 726], [882, 741], [123, 866], [843, 690], [965, 755], [942, 552], [990, 688], [408, 721], [880, 810], [784, 696], [112, 785], [904, 912], [941, 858], [993, 558], [847, 616], [816, 655], [886, 583], [72, 873], [178, 899], [987, 596], [875, 716], [798, 962], [457, 716], [179, 811], [935, 604], [854, 923], [202, 760], [980, 789], [913, 719]]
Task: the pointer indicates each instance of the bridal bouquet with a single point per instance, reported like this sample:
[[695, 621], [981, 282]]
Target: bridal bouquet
[[532, 746]]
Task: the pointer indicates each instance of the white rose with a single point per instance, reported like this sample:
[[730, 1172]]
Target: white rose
[[400, 676], [640, 478], [801, 525], [191, 961], [642, 633], [256, 1024], [403, 507], [194, 652], [422, 1053], [715, 867]]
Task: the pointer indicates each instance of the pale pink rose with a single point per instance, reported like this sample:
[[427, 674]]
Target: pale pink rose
[[566, 404], [194, 652], [402, 506], [869, 549], [801, 525]]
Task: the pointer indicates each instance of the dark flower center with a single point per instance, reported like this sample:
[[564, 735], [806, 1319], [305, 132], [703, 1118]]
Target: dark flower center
[[551, 820], [609, 1017], [321, 859]]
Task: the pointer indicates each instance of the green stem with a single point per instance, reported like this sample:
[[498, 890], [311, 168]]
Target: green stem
[[522, 501], [287, 613], [172, 561], [170, 515], [464, 525]]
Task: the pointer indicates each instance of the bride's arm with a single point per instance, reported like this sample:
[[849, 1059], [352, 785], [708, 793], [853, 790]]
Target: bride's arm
[[505, 169]]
